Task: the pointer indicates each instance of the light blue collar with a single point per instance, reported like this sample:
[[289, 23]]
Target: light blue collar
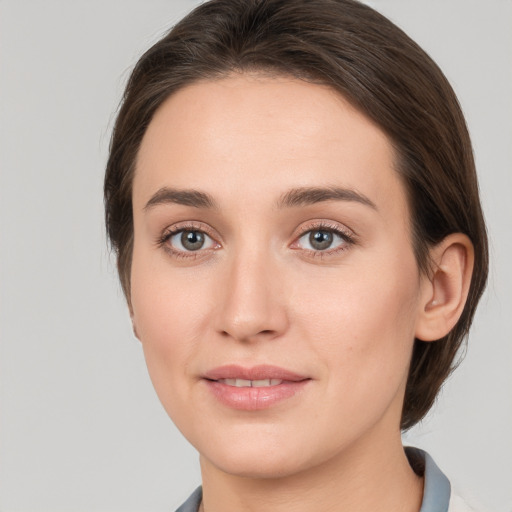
[[437, 488]]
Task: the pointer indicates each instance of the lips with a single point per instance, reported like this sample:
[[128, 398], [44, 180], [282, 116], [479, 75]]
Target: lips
[[256, 388]]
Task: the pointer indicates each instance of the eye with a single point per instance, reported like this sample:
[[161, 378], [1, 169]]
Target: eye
[[186, 240], [324, 239]]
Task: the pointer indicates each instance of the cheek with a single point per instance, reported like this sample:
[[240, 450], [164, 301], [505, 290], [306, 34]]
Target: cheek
[[168, 304], [361, 327], [362, 322], [169, 312]]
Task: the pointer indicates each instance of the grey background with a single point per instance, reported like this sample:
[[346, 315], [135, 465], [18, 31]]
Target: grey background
[[80, 426]]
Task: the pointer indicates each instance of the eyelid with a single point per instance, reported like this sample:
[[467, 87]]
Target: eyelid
[[341, 230], [328, 225], [174, 229], [189, 225], [349, 237]]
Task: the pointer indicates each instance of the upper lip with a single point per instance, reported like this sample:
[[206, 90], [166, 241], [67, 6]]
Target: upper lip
[[260, 372]]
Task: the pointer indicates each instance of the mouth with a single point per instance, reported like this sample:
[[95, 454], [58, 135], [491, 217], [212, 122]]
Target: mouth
[[244, 383], [255, 388]]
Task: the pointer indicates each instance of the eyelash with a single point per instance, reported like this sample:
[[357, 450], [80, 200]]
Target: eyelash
[[347, 236], [179, 228]]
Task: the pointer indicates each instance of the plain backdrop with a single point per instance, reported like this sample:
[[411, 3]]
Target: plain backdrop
[[80, 426]]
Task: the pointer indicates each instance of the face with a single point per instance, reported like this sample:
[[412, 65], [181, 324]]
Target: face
[[274, 285]]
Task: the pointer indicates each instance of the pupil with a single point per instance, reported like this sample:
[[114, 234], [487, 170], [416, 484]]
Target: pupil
[[192, 240], [320, 239]]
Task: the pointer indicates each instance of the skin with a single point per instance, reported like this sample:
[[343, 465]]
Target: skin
[[259, 293]]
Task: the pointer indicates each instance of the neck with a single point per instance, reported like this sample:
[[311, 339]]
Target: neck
[[374, 475]]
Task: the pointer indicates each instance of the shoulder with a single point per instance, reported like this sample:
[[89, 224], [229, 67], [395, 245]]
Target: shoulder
[[458, 504]]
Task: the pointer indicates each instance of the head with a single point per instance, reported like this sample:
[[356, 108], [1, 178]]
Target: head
[[377, 71]]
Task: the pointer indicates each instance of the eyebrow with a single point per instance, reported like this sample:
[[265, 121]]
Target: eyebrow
[[193, 198], [294, 198], [310, 195]]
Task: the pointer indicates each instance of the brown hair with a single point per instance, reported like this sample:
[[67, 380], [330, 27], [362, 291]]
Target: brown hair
[[374, 65]]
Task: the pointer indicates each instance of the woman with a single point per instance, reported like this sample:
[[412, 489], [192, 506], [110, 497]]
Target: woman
[[292, 197]]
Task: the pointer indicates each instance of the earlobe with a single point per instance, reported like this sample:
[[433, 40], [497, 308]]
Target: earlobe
[[134, 327], [446, 288], [135, 331]]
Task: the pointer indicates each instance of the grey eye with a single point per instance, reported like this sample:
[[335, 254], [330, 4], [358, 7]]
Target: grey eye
[[187, 240], [192, 240], [321, 239]]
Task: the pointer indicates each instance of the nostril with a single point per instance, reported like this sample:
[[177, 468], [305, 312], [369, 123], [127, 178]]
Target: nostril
[[248, 337]]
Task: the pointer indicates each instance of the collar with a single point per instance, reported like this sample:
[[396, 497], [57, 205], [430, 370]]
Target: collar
[[193, 502], [437, 489]]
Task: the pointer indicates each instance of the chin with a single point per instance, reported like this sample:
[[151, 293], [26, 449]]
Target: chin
[[250, 452], [258, 465], [263, 456]]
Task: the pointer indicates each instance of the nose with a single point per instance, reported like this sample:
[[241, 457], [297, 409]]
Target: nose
[[253, 300]]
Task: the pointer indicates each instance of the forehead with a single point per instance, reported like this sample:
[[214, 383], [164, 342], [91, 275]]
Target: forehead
[[251, 132]]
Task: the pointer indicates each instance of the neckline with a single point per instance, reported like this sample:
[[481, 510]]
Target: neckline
[[436, 489]]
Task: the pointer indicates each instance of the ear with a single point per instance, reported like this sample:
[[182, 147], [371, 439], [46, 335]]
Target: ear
[[134, 326], [445, 290]]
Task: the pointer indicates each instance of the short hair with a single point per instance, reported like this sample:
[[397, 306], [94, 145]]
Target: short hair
[[374, 65]]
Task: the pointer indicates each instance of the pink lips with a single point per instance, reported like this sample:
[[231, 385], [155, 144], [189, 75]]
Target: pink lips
[[253, 388]]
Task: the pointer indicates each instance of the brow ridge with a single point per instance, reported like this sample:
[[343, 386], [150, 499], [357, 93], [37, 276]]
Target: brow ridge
[[296, 197], [186, 197], [305, 196]]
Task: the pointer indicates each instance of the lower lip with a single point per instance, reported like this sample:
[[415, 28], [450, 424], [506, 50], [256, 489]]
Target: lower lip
[[254, 399]]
